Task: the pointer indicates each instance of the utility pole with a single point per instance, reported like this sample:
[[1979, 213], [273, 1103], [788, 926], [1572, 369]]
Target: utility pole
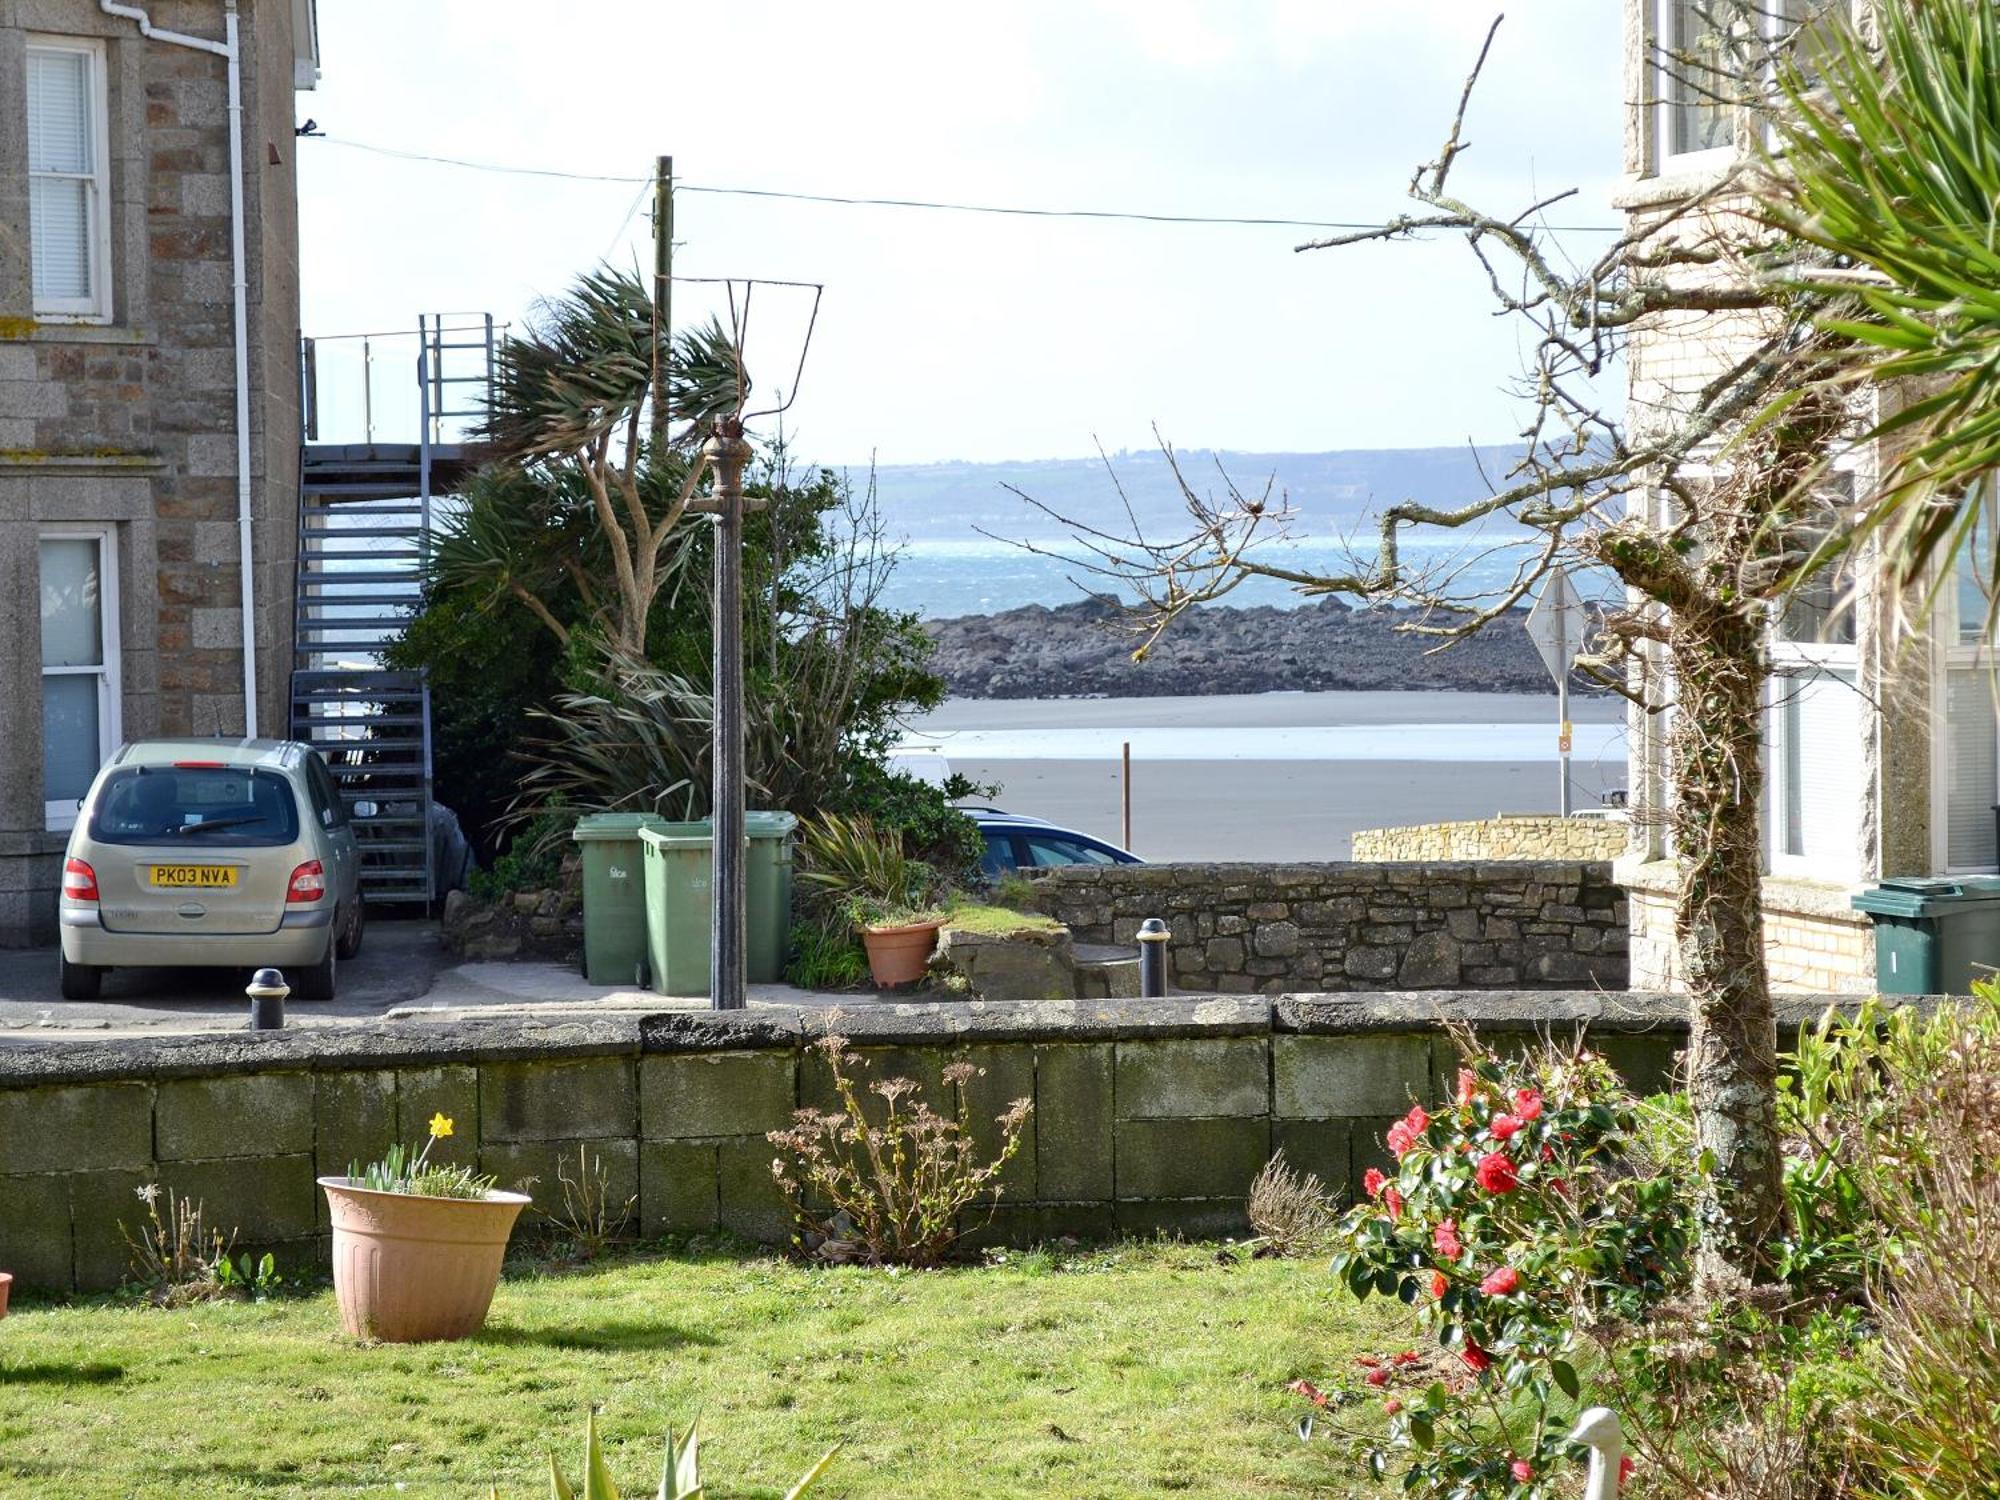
[[663, 296], [729, 453]]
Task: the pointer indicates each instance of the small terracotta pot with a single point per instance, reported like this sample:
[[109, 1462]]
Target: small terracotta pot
[[6, 1286], [408, 1270], [898, 955]]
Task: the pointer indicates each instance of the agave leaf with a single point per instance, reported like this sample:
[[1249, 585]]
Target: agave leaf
[[806, 1480], [558, 1486], [597, 1483]]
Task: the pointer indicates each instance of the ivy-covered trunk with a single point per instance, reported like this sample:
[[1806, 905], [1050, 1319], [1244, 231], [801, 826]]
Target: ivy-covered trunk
[[1720, 670]]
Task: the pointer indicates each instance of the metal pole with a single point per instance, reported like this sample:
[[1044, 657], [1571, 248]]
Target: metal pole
[[663, 296], [1127, 779], [1562, 690], [367, 392], [729, 453], [1153, 936]]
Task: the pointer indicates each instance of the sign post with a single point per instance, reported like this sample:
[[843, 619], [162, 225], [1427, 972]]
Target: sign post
[[1555, 626]]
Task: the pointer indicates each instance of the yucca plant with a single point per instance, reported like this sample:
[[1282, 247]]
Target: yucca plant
[[1887, 160], [861, 869], [680, 1474]]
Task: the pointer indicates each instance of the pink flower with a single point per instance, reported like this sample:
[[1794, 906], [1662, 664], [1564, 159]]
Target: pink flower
[[1522, 1470], [1446, 1241], [1625, 1468], [1405, 1132], [1528, 1103], [1468, 1085], [1475, 1358], [1377, 1377], [1407, 1357], [1439, 1285], [1394, 1202], [1367, 1361], [1310, 1391], [1372, 1182], [1503, 1127], [1495, 1173], [1392, 1406], [1501, 1283]]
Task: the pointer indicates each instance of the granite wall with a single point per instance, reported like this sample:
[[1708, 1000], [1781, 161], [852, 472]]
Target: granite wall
[[1149, 1115], [1273, 928]]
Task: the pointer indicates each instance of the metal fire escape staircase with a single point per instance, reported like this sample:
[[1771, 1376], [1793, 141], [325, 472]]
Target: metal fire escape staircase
[[366, 517]]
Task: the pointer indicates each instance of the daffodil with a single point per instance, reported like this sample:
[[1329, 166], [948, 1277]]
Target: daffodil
[[440, 1126]]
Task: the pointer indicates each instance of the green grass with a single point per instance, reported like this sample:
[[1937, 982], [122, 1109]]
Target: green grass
[[1129, 1371], [999, 921]]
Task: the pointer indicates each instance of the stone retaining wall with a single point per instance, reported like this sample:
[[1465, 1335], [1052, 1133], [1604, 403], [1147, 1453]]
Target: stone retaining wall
[[1521, 836], [1149, 1115], [1815, 942], [1272, 928]]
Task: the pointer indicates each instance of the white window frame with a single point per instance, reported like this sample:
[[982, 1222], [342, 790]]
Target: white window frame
[[1947, 657], [1770, 14], [60, 817], [97, 307]]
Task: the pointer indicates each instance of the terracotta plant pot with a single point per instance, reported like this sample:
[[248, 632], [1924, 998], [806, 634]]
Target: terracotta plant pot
[[6, 1286], [898, 955], [408, 1270]]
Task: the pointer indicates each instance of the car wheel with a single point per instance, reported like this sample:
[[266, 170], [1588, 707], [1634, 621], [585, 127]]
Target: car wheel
[[320, 981], [78, 981], [350, 935]]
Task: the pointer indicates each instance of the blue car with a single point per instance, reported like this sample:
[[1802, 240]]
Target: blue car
[[1014, 843]]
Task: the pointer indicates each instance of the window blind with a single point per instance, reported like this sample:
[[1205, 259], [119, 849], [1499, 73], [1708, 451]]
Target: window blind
[[1972, 769], [1819, 795], [62, 166]]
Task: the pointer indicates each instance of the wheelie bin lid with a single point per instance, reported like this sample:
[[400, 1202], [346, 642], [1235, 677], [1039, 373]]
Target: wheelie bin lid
[[1926, 895], [665, 836], [769, 825]]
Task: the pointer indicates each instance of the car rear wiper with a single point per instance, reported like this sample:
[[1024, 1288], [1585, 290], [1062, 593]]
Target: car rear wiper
[[187, 828]]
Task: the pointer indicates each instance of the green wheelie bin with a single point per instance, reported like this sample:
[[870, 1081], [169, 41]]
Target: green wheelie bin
[[767, 878], [679, 866], [1934, 935], [614, 901]]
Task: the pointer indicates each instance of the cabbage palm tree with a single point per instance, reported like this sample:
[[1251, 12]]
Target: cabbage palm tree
[[575, 491], [1887, 147]]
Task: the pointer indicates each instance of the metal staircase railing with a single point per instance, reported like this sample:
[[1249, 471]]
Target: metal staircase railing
[[366, 519]]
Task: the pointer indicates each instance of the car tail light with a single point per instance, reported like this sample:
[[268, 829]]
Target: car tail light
[[308, 882], [79, 881]]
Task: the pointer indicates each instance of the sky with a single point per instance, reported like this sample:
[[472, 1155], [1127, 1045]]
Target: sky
[[945, 336]]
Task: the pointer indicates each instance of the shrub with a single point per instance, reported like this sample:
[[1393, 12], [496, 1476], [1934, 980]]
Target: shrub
[[592, 1218], [1291, 1211], [890, 1190], [1526, 1206], [932, 829], [533, 861], [826, 956]]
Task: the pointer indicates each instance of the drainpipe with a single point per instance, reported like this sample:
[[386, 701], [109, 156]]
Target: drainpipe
[[231, 53]]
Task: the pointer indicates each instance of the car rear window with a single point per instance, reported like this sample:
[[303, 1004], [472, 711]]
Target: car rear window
[[199, 806]]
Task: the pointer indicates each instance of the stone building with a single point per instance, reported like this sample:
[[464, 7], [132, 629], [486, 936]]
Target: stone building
[[149, 393], [1880, 744]]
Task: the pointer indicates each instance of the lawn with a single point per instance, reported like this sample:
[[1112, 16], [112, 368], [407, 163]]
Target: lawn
[[1118, 1372]]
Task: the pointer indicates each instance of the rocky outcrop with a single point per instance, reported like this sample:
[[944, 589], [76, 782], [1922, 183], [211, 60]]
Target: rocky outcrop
[[1085, 650]]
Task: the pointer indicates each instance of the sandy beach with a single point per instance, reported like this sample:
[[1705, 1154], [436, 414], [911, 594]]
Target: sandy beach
[[1276, 775]]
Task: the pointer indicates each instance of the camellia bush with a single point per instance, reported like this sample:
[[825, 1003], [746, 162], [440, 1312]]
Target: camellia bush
[[1518, 1213]]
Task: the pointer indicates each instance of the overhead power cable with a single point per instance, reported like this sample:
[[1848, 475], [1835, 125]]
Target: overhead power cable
[[1123, 215]]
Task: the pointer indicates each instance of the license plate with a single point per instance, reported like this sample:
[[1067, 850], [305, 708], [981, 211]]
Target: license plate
[[193, 877]]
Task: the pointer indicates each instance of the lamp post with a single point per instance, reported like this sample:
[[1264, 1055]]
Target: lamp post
[[729, 452]]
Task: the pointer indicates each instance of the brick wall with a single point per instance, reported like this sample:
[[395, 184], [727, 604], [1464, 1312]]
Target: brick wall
[[1519, 837], [1814, 942], [1148, 1115], [1270, 928]]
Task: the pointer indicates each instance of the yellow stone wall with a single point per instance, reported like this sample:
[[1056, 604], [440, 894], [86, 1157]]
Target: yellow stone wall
[[1530, 837]]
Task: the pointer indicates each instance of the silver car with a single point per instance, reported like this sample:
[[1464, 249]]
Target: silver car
[[211, 853]]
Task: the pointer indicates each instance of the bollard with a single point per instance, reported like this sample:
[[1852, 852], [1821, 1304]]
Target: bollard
[[267, 991], [1153, 936]]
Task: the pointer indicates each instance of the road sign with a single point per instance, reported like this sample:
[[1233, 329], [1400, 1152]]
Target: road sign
[[1555, 624]]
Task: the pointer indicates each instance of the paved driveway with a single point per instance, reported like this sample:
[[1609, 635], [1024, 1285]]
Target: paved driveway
[[398, 963]]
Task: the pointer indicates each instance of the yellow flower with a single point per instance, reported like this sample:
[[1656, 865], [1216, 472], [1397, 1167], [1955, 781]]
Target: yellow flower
[[440, 1126]]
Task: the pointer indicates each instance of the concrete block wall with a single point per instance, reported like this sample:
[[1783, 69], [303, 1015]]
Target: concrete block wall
[[1814, 942], [1274, 929], [1148, 1115]]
